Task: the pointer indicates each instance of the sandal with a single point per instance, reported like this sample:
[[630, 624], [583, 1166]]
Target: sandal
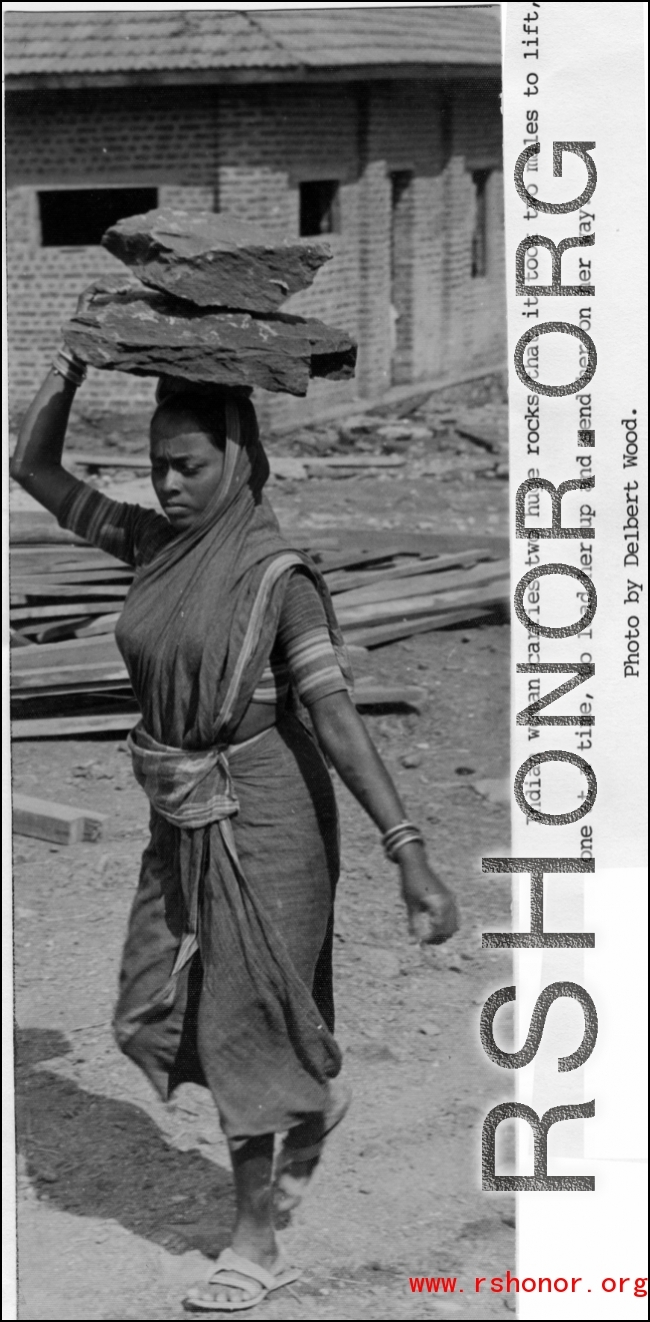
[[254, 1282]]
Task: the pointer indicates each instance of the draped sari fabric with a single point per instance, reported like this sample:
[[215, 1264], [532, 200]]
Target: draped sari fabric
[[186, 619], [227, 943]]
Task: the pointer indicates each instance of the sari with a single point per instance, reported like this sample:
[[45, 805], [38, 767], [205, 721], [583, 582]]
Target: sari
[[226, 973]]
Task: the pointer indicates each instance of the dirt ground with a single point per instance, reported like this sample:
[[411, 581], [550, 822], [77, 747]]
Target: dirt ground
[[121, 1199]]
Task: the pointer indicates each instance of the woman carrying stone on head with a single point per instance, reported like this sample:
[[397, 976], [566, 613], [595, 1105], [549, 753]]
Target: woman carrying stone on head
[[226, 977]]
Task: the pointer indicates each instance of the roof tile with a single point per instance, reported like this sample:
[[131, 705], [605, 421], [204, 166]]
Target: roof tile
[[122, 41]]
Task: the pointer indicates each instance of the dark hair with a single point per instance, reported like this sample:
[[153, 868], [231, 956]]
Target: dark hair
[[208, 412]]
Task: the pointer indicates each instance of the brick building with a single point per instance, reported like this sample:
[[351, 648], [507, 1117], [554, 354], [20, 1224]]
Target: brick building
[[379, 129]]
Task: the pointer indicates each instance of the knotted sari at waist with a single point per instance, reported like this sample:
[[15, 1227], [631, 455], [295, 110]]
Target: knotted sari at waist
[[265, 1011], [191, 791]]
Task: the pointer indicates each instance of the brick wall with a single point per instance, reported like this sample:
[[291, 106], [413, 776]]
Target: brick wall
[[80, 139], [246, 150], [270, 141]]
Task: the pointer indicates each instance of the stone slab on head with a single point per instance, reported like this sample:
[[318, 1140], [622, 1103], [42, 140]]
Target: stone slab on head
[[129, 328], [214, 260]]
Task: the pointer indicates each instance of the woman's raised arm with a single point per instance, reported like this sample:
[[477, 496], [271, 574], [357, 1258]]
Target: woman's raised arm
[[344, 738], [36, 462]]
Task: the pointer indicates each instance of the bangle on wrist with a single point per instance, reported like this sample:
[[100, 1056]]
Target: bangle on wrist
[[68, 366], [405, 833]]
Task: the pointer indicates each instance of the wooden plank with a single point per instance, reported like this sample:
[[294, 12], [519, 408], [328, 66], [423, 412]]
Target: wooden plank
[[65, 629], [18, 639], [112, 691], [57, 610], [57, 727], [84, 577], [42, 535], [326, 563], [28, 630], [31, 560], [64, 557], [41, 565], [350, 580], [74, 651], [46, 559], [62, 678], [429, 604], [421, 541], [64, 551], [378, 635], [100, 560], [69, 628], [103, 624], [47, 820], [391, 590], [389, 542], [342, 581], [62, 578], [60, 554], [42, 587]]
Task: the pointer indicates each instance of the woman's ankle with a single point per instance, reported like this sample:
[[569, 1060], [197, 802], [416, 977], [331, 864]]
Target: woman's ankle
[[255, 1241]]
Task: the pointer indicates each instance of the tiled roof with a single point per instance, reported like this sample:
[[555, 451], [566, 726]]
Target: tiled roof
[[132, 41], [396, 35]]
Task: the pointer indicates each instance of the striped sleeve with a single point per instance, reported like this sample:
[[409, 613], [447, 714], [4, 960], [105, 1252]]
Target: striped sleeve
[[131, 533], [304, 640]]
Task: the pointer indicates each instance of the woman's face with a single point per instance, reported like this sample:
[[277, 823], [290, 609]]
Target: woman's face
[[186, 468]]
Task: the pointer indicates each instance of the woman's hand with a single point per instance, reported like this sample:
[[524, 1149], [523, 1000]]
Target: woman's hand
[[91, 294], [343, 737], [432, 913], [103, 291]]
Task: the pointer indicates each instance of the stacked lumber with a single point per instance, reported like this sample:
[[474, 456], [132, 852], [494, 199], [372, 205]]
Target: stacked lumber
[[67, 675], [204, 307], [46, 820]]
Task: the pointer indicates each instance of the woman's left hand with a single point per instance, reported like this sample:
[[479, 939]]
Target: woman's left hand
[[432, 913], [343, 737]]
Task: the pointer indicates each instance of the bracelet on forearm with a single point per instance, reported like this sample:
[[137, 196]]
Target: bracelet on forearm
[[70, 367], [405, 833]]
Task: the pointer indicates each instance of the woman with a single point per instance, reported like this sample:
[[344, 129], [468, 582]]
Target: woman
[[227, 968]]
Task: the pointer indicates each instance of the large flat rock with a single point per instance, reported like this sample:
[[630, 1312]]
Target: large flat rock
[[214, 260], [138, 330]]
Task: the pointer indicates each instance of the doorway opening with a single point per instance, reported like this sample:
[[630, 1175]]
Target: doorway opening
[[401, 276]]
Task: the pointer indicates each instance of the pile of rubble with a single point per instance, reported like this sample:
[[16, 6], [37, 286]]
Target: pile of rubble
[[432, 437]]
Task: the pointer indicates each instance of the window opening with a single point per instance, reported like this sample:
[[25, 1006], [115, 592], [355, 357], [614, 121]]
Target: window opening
[[78, 217], [479, 236], [319, 207]]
